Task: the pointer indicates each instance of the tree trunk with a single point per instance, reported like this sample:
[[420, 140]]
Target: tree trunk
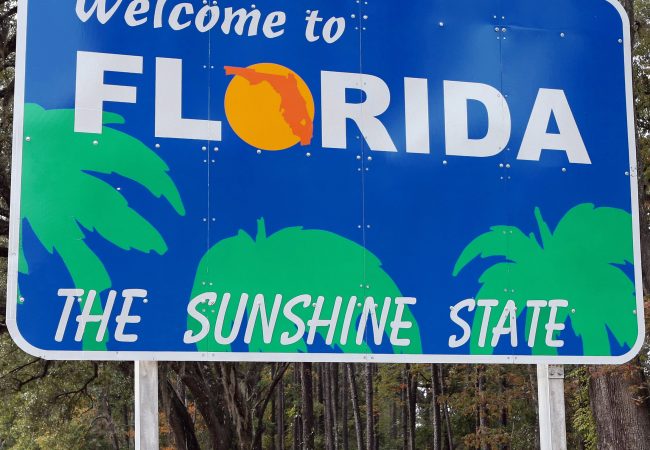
[[370, 418], [405, 415], [279, 416], [450, 436], [127, 435], [619, 402], [375, 422], [393, 421], [274, 424], [345, 444], [105, 407], [319, 417], [179, 419], [307, 407], [334, 388], [532, 379], [435, 409], [327, 406], [482, 413], [297, 419], [411, 387], [503, 387], [354, 395]]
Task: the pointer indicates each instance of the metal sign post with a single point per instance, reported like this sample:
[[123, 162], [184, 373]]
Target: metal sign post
[[146, 405], [552, 418]]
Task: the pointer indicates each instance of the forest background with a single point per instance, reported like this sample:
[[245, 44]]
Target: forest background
[[330, 406]]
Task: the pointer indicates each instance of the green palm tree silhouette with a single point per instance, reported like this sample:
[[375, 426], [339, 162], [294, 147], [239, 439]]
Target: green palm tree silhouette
[[576, 262], [61, 197], [292, 262]]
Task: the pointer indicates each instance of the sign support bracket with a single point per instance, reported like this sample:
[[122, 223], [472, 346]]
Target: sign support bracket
[[146, 405], [552, 417]]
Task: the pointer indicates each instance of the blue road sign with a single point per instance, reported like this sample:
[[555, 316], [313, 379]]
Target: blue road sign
[[446, 181]]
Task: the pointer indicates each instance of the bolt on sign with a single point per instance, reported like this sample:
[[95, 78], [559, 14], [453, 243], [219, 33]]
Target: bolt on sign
[[325, 180]]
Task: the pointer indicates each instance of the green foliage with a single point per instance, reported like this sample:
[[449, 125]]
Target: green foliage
[[293, 262], [61, 197], [579, 409], [578, 262], [61, 405]]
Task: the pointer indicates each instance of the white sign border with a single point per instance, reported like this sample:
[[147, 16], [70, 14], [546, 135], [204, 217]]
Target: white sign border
[[14, 234]]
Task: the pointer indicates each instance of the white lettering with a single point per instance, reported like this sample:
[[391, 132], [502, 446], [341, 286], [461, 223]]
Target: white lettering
[[136, 7], [268, 323], [91, 92], [399, 324], [286, 338], [536, 138], [316, 321], [537, 305], [509, 313], [487, 304], [124, 317], [335, 110], [169, 93], [192, 311], [552, 326], [454, 341], [457, 94]]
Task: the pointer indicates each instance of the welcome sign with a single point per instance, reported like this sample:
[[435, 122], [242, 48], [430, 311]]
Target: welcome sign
[[325, 180]]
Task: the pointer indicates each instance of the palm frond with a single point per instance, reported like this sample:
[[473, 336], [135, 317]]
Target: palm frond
[[115, 220], [505, 241], [601, 233]]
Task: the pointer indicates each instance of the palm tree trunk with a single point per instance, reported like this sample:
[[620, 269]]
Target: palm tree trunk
[[354, 395], [370, 422], [307, 407]]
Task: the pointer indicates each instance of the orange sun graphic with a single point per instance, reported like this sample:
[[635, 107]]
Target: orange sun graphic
[[269, 106]]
